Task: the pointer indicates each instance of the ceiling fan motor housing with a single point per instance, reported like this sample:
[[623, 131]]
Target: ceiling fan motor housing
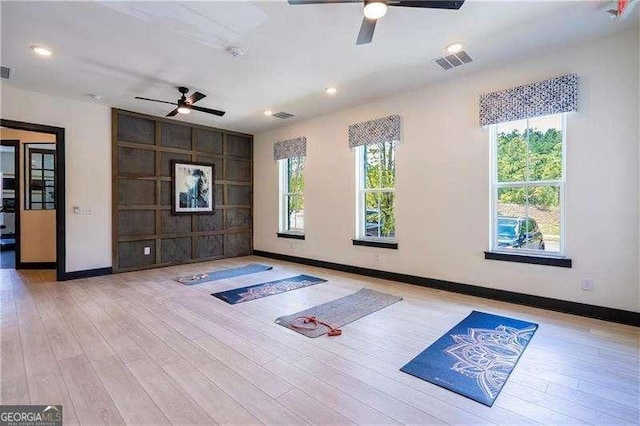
[[184, 91]]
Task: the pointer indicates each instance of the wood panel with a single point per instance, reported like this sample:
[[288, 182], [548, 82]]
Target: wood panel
[[143, 148]]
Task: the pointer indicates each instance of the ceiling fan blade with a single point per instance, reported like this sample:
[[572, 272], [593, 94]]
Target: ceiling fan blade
[[208, 110], [155, 100], [172, 113], [429, 4], [299, 2], [195, 97], [366, 31]]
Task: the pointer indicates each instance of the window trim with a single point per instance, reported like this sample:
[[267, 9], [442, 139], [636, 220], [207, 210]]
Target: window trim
[[284, 194], [360, 203], [494, 186]]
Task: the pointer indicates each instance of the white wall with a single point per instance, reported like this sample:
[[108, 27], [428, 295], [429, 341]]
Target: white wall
[[443, 181], [88, 168]]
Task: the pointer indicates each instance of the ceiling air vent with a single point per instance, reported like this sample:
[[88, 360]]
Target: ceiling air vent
[[454, 60], [5, 72], [283, 115]]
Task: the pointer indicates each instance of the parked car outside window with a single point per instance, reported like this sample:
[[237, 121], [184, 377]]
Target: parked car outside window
[[519, 232], [372, 223]]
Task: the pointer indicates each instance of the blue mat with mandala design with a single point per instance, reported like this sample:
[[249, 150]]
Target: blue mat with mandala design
[[476, 357], [244, 294]]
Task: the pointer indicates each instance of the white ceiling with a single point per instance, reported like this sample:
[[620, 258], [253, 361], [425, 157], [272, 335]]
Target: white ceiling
[[122, 50]]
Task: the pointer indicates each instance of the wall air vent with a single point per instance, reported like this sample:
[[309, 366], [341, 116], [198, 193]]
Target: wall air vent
[[283, 115], [5, 72], [454, 60]]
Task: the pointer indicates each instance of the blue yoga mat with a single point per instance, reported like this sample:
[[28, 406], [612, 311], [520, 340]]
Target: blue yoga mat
[[476, 357], [222, 274], [244, 294]]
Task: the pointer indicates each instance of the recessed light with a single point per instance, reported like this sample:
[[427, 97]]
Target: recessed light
[[375, 9], [267, 112], [454, 47], [331, 90], [42, 51]]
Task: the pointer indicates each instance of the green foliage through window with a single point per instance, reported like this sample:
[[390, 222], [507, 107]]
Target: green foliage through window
[[531, 155]]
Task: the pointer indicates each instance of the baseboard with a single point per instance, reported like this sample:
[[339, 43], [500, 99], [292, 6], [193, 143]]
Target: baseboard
[[87, 273], [591, 311], [36, 265]]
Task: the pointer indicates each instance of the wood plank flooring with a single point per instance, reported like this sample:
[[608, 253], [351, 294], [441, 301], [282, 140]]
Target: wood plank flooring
[[140, 348]]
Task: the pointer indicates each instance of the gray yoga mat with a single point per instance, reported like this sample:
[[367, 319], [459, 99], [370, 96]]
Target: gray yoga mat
[[339, 312], [222, 274]]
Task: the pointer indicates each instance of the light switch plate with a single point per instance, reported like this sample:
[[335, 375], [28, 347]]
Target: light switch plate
[[83, 211]]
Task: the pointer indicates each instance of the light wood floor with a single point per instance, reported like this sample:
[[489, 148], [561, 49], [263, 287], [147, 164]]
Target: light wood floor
[[139, 348]]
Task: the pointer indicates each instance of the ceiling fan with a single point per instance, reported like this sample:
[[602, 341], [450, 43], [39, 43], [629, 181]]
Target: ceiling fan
[[376, 9], [184, 105]]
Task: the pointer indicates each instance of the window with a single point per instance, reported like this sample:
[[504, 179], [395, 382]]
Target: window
[[376, 174], [528, 180], [41, 179], [292, 195]]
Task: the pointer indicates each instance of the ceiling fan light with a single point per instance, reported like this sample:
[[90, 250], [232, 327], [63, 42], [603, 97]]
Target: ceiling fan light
[[375, 9], [183, 110]]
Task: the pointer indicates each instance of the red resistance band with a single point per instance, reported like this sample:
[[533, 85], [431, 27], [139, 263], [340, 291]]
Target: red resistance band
[[622, 5], [316, 322]]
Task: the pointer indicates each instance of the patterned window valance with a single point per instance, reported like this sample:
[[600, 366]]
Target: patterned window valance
[[546, 97], [296, 147], [386, 129]]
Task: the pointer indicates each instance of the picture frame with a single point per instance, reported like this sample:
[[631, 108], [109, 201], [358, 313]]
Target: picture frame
[[192, 187]]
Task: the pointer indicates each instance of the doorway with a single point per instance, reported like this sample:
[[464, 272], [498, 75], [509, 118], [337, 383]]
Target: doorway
[[39, 195], [9, 155]]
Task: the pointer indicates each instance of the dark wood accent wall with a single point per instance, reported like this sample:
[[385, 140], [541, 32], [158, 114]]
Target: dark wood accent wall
[[143, 147]]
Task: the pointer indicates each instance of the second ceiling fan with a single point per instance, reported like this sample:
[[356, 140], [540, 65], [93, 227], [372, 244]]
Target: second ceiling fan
[[376, 9]]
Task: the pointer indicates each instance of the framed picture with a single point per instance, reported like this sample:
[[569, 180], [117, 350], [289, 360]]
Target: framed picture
[[192, 187]]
